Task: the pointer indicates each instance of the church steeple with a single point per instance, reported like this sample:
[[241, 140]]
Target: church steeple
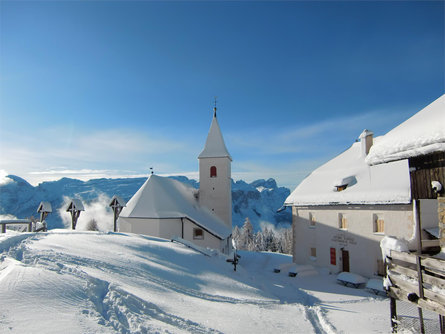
[[215, 181], [215, 146]]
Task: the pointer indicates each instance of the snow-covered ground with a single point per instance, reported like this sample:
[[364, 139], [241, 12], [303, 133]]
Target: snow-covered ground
[[92, 282]]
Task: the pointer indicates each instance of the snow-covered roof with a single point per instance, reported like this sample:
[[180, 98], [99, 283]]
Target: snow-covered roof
[[162, 197], [421, 134], [117, 200], [75, 204], [45, 207], [382, 184], [214, 146]]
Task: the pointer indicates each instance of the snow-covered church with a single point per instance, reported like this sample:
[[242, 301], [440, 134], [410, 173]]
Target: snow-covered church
[[167, 208]]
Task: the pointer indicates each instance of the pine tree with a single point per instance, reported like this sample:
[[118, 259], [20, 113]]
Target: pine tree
[[287, 241], [92, 225], [246, 237], [236, 236], [259, 242], [266, 239]]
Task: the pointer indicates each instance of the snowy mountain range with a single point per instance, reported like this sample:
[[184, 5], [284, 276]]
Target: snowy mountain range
[[258, 200]]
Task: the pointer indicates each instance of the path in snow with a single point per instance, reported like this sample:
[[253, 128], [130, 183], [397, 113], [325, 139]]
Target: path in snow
[[80, 282]]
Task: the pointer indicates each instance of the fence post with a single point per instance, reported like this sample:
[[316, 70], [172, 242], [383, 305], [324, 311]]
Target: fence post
[[393, 310], [418, 261]]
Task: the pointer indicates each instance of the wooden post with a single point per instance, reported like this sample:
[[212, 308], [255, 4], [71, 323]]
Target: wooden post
[[3, 228], [115, 219], [117, 204], [442, 324], [74, 216], [43, 216], [422, 325], [418, 261], [393, 310], [116, 211], [30, 227], [73, 224]]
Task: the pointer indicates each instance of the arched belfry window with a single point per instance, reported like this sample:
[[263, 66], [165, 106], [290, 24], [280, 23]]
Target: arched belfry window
[[213, 171]]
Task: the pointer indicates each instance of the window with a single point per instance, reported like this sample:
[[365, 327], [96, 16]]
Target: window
[[213, 171], [342, 221], [311, 220], [379, 224], [341, 188], [313, 252], [333, 256], [198, 233]]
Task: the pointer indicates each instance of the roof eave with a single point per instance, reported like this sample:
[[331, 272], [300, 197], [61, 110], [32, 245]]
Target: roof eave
[[306, 204]]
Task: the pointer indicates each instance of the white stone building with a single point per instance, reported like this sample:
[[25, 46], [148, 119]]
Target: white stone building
[[342, 210], [167, 208]]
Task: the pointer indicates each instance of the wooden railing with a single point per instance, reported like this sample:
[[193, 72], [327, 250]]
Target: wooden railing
[[417, 279], [4, 223]]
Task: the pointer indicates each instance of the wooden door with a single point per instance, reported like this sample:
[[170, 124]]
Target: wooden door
[[345, 259]]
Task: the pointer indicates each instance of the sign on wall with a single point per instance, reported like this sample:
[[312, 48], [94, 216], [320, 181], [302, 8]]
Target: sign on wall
[[344, 240]]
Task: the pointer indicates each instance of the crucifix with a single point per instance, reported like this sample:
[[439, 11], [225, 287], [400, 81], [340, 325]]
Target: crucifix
[[214, 108]]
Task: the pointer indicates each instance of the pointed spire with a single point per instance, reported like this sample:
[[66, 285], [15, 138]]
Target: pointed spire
[[215, 146]]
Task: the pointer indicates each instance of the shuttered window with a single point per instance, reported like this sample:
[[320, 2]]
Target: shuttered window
[[213, 171], [342, 221], [379, 223], [311, 220], [333, 257]]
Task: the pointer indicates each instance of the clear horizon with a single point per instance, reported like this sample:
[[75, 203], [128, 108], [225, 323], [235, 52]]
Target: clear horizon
[[111, 88]]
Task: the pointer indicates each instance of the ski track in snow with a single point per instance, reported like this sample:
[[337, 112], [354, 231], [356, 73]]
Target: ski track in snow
[[123, 312], [309, 304], [117, 308], [120, 309]]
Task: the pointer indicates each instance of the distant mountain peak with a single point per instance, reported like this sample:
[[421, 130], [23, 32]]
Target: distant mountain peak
[[258, 200], [18, 180]]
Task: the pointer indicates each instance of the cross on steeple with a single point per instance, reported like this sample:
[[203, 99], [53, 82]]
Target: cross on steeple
[[214, 108]]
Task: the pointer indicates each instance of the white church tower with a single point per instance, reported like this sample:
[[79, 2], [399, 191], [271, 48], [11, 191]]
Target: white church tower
[[215, 187]]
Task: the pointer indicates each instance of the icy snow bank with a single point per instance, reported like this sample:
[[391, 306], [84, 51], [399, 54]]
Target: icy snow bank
[[351, 278], [376, 285], [387, 244]]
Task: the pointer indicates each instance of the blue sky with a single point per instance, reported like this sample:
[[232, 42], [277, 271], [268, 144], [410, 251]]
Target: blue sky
[[111, 88]]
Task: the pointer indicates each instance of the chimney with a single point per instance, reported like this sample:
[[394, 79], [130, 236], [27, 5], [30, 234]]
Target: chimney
[[366, 141]]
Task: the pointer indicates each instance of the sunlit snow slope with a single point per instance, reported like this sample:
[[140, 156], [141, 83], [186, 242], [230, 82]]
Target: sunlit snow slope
[[88, 282]]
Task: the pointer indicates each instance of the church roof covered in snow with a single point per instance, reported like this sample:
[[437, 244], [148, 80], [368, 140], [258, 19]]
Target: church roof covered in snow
[[162, 197], [348, 179], [421, 134], [215, 146]]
